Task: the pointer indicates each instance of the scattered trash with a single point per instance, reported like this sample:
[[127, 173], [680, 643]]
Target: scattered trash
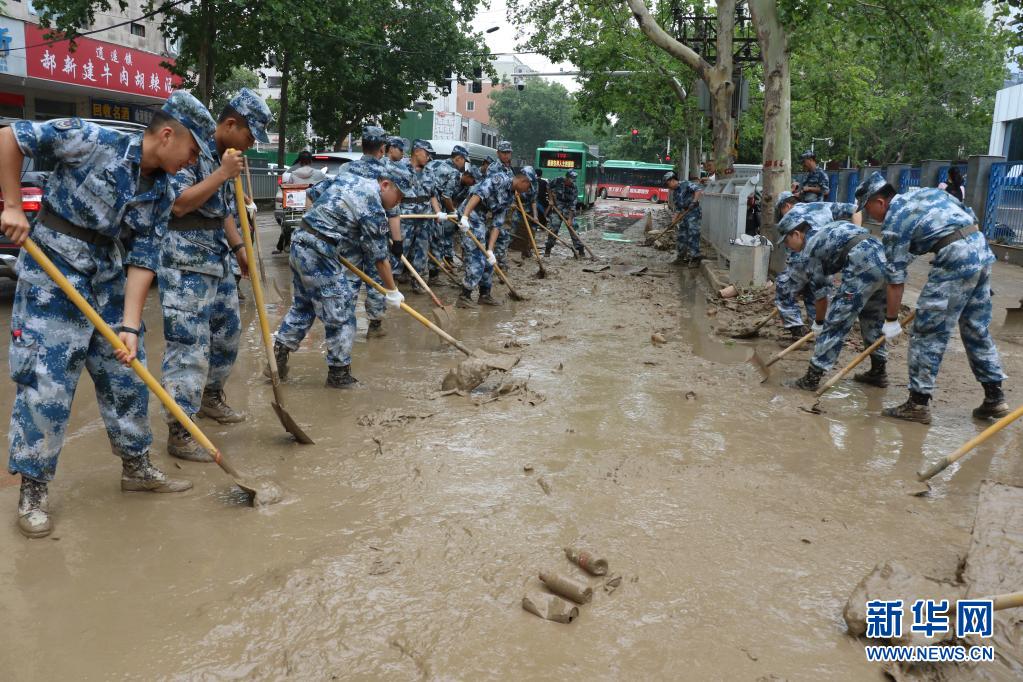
[[549, 607], [544, 485], [650, 362], [586, 561], [466, 375], [580, 593], [690, 395], [658, 339], [613, 584], [596, 268], [527, 467], [729, 292], [391, 417]]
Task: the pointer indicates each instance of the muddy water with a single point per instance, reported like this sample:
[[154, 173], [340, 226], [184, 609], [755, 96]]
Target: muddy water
[[739, 523]]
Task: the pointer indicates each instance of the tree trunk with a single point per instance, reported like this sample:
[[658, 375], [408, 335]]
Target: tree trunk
[[205, 57], [721, 87], [282, 124]]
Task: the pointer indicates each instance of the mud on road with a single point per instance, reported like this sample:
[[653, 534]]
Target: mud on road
[[738, 523]]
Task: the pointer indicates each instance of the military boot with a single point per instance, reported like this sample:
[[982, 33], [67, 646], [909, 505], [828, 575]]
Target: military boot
[[915, 409], [281, 353], [416, 289], [180, 444], [877, 375], [486, 299], [376, 329], [33, 513], [215, 407], [994, 405], [792, 334], [809, 381], [694, 262], [465, 299], [546, 251], [340, 377], [139, 475]]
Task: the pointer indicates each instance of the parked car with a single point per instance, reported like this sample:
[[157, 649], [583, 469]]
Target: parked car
[[33, 180], [329, 162]]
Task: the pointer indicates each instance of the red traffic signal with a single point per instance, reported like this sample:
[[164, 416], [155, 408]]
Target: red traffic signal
[[635, 132]]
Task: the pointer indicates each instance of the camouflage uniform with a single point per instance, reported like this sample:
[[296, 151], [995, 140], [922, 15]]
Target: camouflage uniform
[[447, 185], [816, 177], [346, 219], [687, 244], [500, 219], [958, 288], [417, 233], [565, 196], [93, 187], [496, 195], [370, 168], [861, 294], [794, 282]]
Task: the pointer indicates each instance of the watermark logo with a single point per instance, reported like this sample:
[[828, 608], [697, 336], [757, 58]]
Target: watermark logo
[[931, 617]]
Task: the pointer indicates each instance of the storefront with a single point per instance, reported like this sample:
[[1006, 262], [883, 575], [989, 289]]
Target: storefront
[[42, 80]]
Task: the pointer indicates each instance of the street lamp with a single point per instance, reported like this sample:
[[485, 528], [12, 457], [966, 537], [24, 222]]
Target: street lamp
[[822, 139]]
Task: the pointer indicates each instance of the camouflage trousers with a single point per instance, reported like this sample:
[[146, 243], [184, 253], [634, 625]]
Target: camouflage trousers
[[416, 236], [791, 286], [320, 290], [941, 306], [687, 238], [478, 273], [51, 342], [504, 237], [442, 243], [861, 295], [202, 327], [555, 227]]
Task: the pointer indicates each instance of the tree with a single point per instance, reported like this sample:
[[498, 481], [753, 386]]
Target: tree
[[229, 85], [529, 117]]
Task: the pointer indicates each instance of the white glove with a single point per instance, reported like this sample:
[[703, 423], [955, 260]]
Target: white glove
[[442, 216], [817, 328], [464, 225], [891, 330], [491, 258], [394, 298], [251, 207]]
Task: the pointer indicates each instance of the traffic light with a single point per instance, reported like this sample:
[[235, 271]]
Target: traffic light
[[477, 80], [635, 136]]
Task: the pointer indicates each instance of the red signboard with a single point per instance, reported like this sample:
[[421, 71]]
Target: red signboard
[[97, 64]]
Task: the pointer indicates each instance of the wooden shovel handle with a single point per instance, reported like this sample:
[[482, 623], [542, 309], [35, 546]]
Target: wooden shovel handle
[[798, 344], [497, 268], [422, 282], [529, 230], [257, 287], [407, 308], [107, 333], [969, 445], [860, 358], [443, 268], [548, 231]]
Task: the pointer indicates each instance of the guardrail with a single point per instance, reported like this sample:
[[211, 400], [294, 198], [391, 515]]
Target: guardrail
[[1003, 221], [264, 183], [909, 179], [724, 205]]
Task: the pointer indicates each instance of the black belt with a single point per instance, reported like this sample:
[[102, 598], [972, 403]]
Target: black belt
[[415, 200], [960, 233], [58, 224], [194, 221], [319, 235], [843, 255]]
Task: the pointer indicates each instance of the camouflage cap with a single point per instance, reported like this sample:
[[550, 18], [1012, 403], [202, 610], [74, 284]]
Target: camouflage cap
[[572, 174], [504, 146], [792, 221], [373, 134], [669, 176], [189, 112], [459, 150], [255, 112], [489, 158], [808, 154], [868, 188], [419, 143], [529, 173], [782, 198], [397, 142], [474, 171], [400, 175]]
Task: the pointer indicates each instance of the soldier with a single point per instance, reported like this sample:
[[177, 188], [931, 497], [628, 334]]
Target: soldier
[[847, 248], [448, 183], [816, 186], [417, 232], [495, 194], [687, 197], [395, 150], [794, 283], [958, 290], [371, 166], [99, 177], [504, 158], [198, 293], [529, 204], [488, 161], [348, 218], [564, 197]]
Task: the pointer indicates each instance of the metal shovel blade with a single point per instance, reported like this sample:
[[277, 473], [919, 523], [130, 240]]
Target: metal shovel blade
[[286, 420], [443, 317]]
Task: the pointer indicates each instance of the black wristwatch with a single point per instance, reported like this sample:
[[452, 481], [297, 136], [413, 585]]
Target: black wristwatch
[[237, 247], [130, 330]]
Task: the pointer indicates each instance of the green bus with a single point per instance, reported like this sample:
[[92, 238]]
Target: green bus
[[633, 180], [557, 157]]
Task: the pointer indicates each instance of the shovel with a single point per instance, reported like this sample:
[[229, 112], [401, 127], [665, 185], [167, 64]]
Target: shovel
[[255, 238], [571, 230], [261, 494], [762, 366], [497, 268], [443, 267], [499, 361], [755, 329], [542, 272], [575, 234], [560, 240], [442, 313], [944, 462], [264, 327]]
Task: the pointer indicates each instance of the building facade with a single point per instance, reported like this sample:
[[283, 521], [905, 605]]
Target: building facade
[[116, 73]]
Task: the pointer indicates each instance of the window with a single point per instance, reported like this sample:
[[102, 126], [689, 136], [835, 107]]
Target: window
[[273, 81], [138, 30], [47, 109], [470, 106]]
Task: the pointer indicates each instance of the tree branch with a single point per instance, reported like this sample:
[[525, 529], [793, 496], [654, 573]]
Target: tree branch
[[661, 39]]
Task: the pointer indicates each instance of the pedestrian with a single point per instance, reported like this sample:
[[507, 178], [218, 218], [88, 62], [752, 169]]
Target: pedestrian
[[198, 293], [448, 178], [564, 197], [102, 180], [495, 194], [955, 185], [816, 186], [686, 197], [350, 216], [793, 284], [416, 232], [847, 248], [304, 173], [957, 292]]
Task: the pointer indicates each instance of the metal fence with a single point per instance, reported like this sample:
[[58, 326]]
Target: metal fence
[[1003, 221], [724, 206], [909, 179], [264, 183]]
